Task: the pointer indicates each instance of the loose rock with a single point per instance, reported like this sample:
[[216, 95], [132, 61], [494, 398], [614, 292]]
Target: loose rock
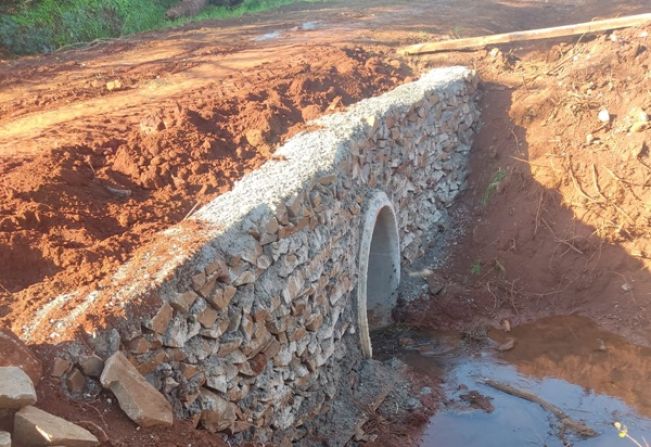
[[16, 388], [507, 345], [34, 427], [91, 365], [183, 301], [477, 400], [604, 116], [13, 352], [143, 403], [413, 404], [115, 84], [76, 381], [60, 366]]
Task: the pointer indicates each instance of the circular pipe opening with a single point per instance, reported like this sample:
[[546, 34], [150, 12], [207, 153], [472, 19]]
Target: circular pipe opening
[[379, 268]]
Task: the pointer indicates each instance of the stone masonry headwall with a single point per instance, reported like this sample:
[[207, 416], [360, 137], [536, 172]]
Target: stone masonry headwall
[[245, 315]]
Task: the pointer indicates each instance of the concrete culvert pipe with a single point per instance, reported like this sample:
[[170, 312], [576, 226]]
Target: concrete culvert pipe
[[379, 268]]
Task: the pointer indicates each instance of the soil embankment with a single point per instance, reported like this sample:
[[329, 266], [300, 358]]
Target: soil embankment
[[101, 148], [75, 209], [557, 210]]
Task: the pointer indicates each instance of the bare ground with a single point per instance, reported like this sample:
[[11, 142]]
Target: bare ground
[[557, 221]]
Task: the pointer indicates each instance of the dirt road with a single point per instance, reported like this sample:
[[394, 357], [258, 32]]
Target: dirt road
[[41, 93]]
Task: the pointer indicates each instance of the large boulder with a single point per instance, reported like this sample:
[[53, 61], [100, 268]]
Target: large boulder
[[13, 352], [16, 388], [143, 403], [37, 428]]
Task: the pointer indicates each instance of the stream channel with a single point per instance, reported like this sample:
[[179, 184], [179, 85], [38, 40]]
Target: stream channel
[[595, 377]]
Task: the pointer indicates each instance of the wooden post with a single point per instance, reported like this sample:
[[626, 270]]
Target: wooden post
[[536, 34]]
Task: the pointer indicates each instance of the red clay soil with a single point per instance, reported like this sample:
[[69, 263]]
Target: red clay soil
[[556, 224], [100, 148], [557, 214], [96, 411], [74, 212], [102, 417], [558, 208]]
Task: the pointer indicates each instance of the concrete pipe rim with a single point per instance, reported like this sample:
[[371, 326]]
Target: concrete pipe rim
[[379, 212]]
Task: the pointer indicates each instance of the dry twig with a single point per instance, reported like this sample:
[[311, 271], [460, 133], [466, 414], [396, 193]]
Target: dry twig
[[559, 240], [97, 429], [595, 181], [577, 185], [537, 222], [99, 413], [192, 210], [566, 421]]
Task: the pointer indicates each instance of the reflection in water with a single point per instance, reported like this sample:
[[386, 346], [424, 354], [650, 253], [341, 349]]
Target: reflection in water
[[309, 26], [576, 350], [592, 375]]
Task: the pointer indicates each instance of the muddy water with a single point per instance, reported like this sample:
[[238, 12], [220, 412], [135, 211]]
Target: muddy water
[[273, 35], [594, 376], [268, 36]]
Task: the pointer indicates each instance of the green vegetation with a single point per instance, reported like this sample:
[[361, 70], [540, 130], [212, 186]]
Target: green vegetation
[[475, 268], [32, 26], [51, 24], [492, 186], [246, 7]]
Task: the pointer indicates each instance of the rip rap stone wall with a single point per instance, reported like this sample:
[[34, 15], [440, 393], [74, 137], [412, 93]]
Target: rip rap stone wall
[[245, 315]]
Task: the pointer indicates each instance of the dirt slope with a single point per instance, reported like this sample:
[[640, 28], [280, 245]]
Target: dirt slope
[[74, 212], [559, 204]]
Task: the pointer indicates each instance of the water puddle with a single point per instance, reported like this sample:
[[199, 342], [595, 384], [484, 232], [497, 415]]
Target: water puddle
[[309, 26], [593, 376], [268, 36], [273, 35]]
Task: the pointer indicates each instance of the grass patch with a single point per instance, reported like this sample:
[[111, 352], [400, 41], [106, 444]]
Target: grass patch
[[475, 268], [51, 24], [47, 25], [492, 186], [246, 7]]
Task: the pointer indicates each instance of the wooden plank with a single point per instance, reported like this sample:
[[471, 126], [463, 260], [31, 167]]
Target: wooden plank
[[519, 36]]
